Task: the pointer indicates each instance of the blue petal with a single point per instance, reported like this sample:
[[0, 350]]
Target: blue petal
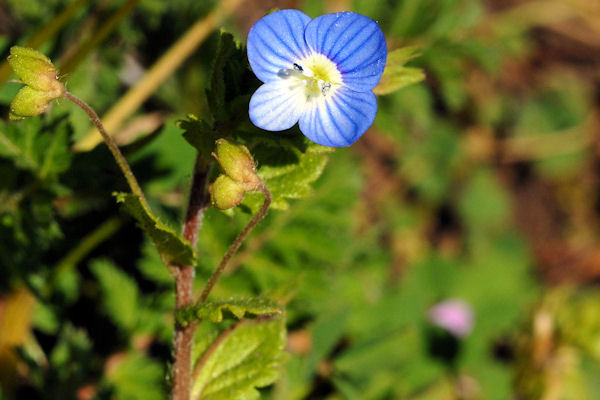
[[340, 119], [277, 105], [354, 43], [276, 42]]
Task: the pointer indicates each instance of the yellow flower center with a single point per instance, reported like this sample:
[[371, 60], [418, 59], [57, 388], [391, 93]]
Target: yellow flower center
[[322, 75], [318, 74]]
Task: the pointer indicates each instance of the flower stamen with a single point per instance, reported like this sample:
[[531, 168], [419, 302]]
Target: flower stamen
[[317, 73], [325, 87]]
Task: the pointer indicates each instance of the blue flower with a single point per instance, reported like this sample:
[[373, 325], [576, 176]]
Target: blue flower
[[319, 73]]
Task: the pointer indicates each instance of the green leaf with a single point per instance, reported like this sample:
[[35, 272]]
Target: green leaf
[[151, 266], [175, 164], [56, 156], [396, 76], [199, 134], [40, 148], [402, 55], [326, 333], [244, 357], [67, 282], [484, 204], [18, 143], [137, 377], [213, 311], [393, 354], [429, 161], [45, 319], [288, 172], [72, 347], [288, 164], [171, 246], [230, 80], [119, 293]]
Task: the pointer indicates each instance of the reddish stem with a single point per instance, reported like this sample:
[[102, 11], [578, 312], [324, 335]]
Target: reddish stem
[[184, 284]]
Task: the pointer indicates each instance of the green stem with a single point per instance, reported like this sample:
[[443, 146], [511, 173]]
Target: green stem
[[112, 146], [236, 244]]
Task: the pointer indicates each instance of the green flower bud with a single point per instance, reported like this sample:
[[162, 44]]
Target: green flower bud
[[29, 102], [38, 73], [237, 162], [225, 193]]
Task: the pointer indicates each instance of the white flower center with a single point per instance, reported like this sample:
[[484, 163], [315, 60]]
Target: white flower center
[[318, 74]]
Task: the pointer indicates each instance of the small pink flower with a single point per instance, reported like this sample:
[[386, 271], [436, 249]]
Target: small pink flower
[[454, 315]]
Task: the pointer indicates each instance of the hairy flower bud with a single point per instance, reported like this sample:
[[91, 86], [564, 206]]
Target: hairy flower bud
[[39, 74], [29, 102], [225, 193], [238, 164]]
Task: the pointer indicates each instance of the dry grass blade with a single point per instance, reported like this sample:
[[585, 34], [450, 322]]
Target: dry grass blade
[[159, 72]]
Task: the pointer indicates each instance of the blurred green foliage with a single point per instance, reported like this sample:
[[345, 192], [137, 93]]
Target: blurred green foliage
[[428, 206]]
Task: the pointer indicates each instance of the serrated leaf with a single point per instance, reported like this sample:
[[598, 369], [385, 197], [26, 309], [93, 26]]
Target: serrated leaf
[[199, 134], [243, 358], [296, 183], [216, 94], [57, 156], [288, 179], [41, 149], [19, 144], [230, 79], [396, 75], [119, 293], [213, 311], [173, 247]]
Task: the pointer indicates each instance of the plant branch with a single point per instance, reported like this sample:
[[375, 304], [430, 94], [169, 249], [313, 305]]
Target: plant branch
[[112, 146], [184, 283], [236, 244], [198, 201]]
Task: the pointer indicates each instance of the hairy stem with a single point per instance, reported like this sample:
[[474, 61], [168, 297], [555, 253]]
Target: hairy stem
[[184, 336], [236, 244], [112, 146], [184, 283]]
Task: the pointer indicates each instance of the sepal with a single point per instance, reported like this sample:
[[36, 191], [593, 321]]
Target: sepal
[[39, 74], [29, 102], [238, 164], [225, 193]]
